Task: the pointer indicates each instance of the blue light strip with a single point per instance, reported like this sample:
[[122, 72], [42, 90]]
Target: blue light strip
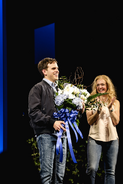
[[44, 42], [1, 76]]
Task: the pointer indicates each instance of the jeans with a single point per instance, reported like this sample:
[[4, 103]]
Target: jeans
[[110, 152], [52, 170]]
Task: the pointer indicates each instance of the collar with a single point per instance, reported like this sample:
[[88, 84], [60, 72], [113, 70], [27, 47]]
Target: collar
[[52, 84]]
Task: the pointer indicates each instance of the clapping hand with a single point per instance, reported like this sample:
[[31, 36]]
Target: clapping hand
[[111, 103]]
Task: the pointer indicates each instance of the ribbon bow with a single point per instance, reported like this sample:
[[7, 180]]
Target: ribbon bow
[[69, 118]]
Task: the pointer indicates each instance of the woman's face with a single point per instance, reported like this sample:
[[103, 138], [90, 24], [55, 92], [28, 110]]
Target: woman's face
[[101, 86]]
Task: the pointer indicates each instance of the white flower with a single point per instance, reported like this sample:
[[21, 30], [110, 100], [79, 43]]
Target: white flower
[[60, 91], [78, 102], [85, 93], [71, 96], [59, 100], [76, 90], [83, 98], [68, 90]]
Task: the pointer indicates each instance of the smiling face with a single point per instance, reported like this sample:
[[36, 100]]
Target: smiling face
[[101, 86], [52, 72]]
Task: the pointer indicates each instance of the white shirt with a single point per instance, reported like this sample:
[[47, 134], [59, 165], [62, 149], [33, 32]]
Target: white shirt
[[104, 129], [52, 84]]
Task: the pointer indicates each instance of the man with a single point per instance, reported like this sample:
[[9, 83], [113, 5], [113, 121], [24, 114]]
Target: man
[[40, 109]]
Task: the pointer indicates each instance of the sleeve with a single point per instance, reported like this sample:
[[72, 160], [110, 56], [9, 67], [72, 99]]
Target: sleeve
[[34, 109]]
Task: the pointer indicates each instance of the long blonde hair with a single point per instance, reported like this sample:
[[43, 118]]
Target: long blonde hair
[[110, 87]]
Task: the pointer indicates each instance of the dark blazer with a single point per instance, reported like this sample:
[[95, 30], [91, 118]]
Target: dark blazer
[[41, 108]]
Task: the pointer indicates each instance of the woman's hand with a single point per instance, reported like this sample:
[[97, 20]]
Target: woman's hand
[[111, 103], [115, 114]]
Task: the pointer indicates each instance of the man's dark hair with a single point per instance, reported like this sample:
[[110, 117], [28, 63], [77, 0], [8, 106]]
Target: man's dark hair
[[43, 64]]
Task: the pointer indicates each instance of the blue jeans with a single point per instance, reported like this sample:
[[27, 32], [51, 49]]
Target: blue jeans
[[110, 152], [52, 171]]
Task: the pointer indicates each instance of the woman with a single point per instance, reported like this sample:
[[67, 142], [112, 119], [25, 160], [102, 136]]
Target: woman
[[103, 135]]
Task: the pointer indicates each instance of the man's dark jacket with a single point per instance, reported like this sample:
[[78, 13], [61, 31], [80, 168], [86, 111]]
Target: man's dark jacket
[[41, 108]]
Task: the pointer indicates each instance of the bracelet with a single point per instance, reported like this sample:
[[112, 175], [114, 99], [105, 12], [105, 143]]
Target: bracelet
[[98, 111], [111, 110]]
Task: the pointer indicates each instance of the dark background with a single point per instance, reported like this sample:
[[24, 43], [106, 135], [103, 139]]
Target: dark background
[[85, 35]]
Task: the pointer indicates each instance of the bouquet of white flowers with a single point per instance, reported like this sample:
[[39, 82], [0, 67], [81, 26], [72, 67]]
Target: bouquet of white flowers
[[69, 102], [71, 97]]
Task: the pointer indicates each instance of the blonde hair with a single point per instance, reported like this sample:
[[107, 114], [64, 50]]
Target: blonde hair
[[110, 87]]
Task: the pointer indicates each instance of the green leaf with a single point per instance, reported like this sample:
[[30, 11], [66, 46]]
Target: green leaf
[[68, 103], [94, 96], [60, 107]]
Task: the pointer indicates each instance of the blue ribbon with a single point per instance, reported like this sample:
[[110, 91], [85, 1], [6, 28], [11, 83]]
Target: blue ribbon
[[69, 118]]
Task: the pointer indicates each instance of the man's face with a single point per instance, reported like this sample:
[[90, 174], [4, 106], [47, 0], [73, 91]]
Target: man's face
[[52, 72]]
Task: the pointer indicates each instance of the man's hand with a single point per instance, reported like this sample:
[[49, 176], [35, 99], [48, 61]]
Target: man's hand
[[58, 124]]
